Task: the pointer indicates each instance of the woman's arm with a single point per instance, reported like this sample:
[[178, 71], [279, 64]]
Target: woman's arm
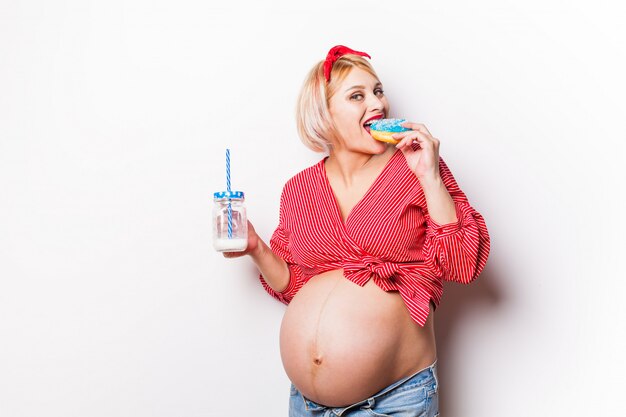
[[281, 276], [424, 162], [457, 242], [273, 268], [440, 205]]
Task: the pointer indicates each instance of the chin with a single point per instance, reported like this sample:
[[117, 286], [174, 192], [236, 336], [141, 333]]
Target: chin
[[380, 147]]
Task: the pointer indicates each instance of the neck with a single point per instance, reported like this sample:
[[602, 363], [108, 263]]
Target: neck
[[347, 166]]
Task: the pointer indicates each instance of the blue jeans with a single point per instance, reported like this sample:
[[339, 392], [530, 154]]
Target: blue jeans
[[413, 396]]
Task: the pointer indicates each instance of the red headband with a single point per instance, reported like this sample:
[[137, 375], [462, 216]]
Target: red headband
[[334, 54]]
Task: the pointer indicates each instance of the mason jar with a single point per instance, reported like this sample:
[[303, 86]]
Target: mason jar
[[230, 223]]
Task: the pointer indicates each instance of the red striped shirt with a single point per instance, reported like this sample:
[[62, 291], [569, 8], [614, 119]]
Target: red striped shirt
[[387, 237]]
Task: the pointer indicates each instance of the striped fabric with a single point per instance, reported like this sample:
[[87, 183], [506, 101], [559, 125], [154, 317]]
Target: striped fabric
[[387, 237]]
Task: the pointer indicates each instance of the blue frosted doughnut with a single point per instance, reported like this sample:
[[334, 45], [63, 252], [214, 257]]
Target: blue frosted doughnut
[[382, 129]]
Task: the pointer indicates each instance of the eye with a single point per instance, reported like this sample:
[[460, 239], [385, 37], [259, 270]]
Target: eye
[[379, 92], [356, 96]]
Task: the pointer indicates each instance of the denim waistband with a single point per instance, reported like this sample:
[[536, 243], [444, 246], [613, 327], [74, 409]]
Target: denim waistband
[[419, 376]]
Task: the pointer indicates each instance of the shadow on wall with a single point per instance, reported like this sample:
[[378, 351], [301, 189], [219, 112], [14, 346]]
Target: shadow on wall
[[459, 301]]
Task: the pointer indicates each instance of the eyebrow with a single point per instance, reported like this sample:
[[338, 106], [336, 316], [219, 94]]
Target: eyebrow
[[363, 87]]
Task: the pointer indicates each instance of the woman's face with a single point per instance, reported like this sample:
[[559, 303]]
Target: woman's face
[[358, 100]]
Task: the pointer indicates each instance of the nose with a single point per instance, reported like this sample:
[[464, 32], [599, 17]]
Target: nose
[[374, 102]]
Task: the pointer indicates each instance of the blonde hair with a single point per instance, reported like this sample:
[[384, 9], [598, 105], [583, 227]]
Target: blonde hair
[[313, 119]]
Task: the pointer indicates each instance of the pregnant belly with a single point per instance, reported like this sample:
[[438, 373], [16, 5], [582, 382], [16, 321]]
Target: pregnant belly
[[341, 343]]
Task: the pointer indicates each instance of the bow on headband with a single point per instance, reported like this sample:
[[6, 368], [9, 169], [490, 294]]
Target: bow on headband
[[334, 54]]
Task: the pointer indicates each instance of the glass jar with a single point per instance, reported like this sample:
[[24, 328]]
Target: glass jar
[[230, 223]]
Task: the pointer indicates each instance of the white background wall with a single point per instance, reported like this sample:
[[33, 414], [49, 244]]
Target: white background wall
[[114, 117]]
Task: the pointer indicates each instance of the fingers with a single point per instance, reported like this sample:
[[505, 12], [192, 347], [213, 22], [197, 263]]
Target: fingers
[[407, 140], [417, 126], [424, 140], [418, 133]]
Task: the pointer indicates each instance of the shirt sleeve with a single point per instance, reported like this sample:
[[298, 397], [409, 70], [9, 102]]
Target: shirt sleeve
[[279, 243], [457, 251]]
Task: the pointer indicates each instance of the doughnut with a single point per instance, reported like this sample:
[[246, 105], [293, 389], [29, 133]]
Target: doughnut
[[382, 129]]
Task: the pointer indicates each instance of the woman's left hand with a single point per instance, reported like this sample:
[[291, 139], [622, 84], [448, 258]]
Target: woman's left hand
[[424, 161]]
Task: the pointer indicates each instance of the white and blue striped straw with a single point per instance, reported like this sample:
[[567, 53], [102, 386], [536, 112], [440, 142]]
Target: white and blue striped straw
[[230, 210]]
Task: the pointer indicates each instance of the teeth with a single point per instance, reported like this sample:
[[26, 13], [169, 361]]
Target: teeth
[[369, 122]]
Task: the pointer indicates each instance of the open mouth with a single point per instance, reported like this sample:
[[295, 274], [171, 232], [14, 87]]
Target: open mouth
[[369, 121]]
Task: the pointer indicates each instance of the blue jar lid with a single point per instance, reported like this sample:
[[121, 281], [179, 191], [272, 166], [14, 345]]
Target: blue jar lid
[[228, 194]]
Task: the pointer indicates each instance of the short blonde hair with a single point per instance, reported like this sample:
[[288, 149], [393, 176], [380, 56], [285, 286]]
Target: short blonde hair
[[313, 119]]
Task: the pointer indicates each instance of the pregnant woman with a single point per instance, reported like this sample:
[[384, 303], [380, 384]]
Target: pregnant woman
[[365, 238]]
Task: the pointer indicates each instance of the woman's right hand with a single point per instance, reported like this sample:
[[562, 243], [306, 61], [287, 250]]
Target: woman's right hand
[[253, 244]]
